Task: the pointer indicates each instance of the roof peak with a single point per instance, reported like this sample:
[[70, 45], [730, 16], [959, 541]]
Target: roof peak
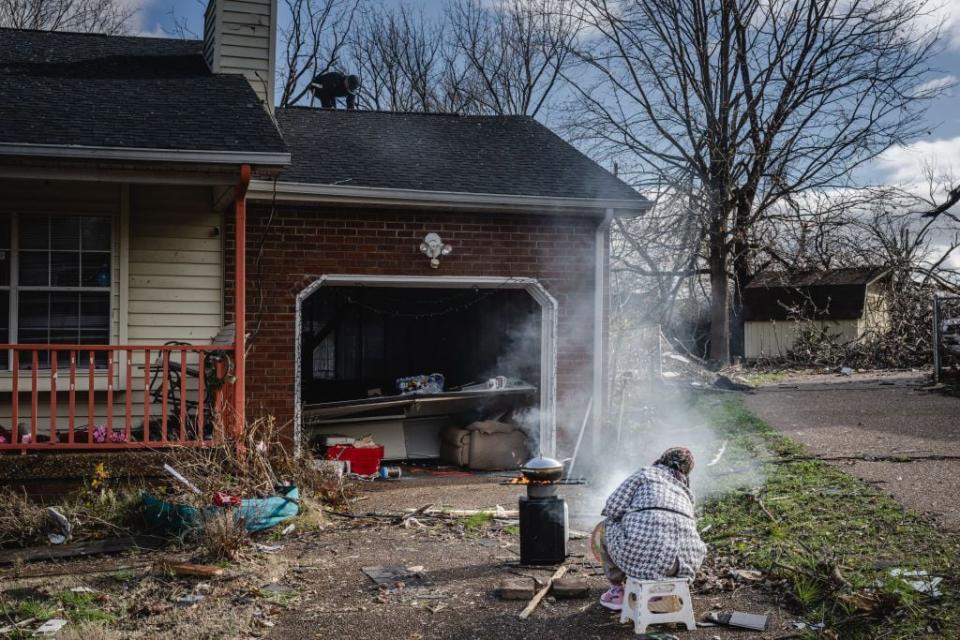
[[441, 114], [92, 34]]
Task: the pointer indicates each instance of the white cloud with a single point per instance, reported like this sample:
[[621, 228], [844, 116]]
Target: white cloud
[[937, 84], [908, 165], [947, 14]]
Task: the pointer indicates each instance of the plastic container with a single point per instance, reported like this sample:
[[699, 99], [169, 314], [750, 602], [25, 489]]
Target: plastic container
[[364, 461]]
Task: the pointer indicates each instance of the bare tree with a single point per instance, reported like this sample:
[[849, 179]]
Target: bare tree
[[93, 16], [312, 42], [751, 101], [515, 51], [407, 64]]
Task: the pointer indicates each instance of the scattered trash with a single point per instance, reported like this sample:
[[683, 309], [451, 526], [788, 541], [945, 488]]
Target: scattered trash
[[845, 371], [750, 575], [716, 458], [390, 473], [389, 576], [179, 478], [222, 499], [189, 600], [268, 548], [62, 529], [82, 590], [741, 620], [432, 383], [922, 582], [50, 627]]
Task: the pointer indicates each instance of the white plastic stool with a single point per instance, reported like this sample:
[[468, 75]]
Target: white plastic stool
[[636, 603]]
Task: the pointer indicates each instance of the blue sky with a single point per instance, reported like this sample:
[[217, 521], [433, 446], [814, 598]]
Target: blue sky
[[940, 146]]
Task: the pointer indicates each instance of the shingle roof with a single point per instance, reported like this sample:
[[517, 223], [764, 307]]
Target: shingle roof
[[510, 155], [819, 278], [114, 91]]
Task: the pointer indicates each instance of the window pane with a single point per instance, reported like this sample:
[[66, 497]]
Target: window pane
[[65, 233], [95, 315], [34, 312], [4, 329], [65, 311], [95, 270], [64, 269], [34, 232], [5, 258], [34, 268], [95, 234], [4, 231]]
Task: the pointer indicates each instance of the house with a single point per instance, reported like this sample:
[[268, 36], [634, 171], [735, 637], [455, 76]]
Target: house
[[847, 303], [177, 256]]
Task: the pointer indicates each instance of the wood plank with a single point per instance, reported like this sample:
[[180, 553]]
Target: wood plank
[[95, 547]]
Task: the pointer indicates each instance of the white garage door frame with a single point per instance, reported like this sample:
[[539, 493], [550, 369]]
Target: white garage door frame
[[548, 335]]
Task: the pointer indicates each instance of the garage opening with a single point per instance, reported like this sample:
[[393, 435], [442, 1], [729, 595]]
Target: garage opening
[[419, 366]]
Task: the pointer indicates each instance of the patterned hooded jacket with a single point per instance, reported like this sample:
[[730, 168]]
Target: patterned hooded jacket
[[651, 528]]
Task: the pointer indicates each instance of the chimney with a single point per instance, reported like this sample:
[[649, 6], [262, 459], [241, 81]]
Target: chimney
[[241, 37]]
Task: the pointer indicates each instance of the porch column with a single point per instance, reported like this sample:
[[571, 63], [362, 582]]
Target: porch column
[[240, 300]]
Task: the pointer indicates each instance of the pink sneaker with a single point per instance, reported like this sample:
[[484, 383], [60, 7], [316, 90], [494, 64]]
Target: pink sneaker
[[613, 598]]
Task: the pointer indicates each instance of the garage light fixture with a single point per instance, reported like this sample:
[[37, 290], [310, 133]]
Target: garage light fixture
[[433, 247]]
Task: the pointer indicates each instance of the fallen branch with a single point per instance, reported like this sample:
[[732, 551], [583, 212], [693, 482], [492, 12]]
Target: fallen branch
[[402, 519], [540, 594]]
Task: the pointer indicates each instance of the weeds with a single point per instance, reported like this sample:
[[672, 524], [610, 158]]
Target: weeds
[[476, 522], [832, 538]]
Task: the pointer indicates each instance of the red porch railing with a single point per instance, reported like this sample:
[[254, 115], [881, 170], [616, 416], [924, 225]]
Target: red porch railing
[[112, 396]]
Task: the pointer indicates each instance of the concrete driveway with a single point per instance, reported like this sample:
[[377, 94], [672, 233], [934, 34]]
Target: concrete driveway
[[876, 414]]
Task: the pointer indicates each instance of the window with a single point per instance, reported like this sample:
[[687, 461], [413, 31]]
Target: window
[[54, 282]]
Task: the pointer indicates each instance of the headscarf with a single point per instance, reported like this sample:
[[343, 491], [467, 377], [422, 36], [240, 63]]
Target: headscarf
[[679, 461]]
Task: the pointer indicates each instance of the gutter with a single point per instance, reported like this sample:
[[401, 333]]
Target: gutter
[[266, 190], [601, 243], [200, 156]]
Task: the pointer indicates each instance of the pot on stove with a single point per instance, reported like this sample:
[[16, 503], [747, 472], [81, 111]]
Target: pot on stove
[[541, 469]]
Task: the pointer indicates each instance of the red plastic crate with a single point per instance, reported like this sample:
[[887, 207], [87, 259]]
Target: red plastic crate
[[364, 461]]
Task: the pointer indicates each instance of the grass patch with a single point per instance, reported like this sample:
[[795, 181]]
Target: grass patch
[[832, 538], [476, 522], [512, 530], [82, 607]]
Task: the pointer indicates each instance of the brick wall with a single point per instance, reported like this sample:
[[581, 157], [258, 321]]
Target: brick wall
[[303, 243]]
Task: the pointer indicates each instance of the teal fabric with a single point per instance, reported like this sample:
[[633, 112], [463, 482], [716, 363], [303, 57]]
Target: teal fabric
[[257, 513]]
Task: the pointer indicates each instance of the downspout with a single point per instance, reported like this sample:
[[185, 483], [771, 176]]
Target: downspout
[[600, 290], [240, 300]]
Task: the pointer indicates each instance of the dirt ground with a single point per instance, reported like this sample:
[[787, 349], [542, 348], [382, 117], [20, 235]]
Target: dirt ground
[[465, 570], [875, 414], [313, 587]]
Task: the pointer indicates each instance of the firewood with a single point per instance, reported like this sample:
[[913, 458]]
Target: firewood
[[540, 594], [570, 588], [187, 569]]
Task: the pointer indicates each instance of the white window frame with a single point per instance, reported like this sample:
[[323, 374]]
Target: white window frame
[[13, 289]]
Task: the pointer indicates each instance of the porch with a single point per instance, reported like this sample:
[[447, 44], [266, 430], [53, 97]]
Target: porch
[[114, 332]]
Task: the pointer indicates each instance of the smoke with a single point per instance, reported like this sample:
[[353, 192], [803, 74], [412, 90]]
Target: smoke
[[649, 414]]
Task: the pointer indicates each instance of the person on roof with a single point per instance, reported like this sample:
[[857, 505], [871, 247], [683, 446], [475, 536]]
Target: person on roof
[[650, 530]]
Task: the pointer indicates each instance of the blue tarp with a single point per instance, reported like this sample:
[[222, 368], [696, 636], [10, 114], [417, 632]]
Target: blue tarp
[[257, 513]]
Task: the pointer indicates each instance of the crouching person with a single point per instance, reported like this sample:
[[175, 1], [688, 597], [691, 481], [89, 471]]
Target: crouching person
[[650, 530]]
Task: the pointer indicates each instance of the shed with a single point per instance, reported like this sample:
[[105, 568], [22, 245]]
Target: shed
[[849, 303]]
